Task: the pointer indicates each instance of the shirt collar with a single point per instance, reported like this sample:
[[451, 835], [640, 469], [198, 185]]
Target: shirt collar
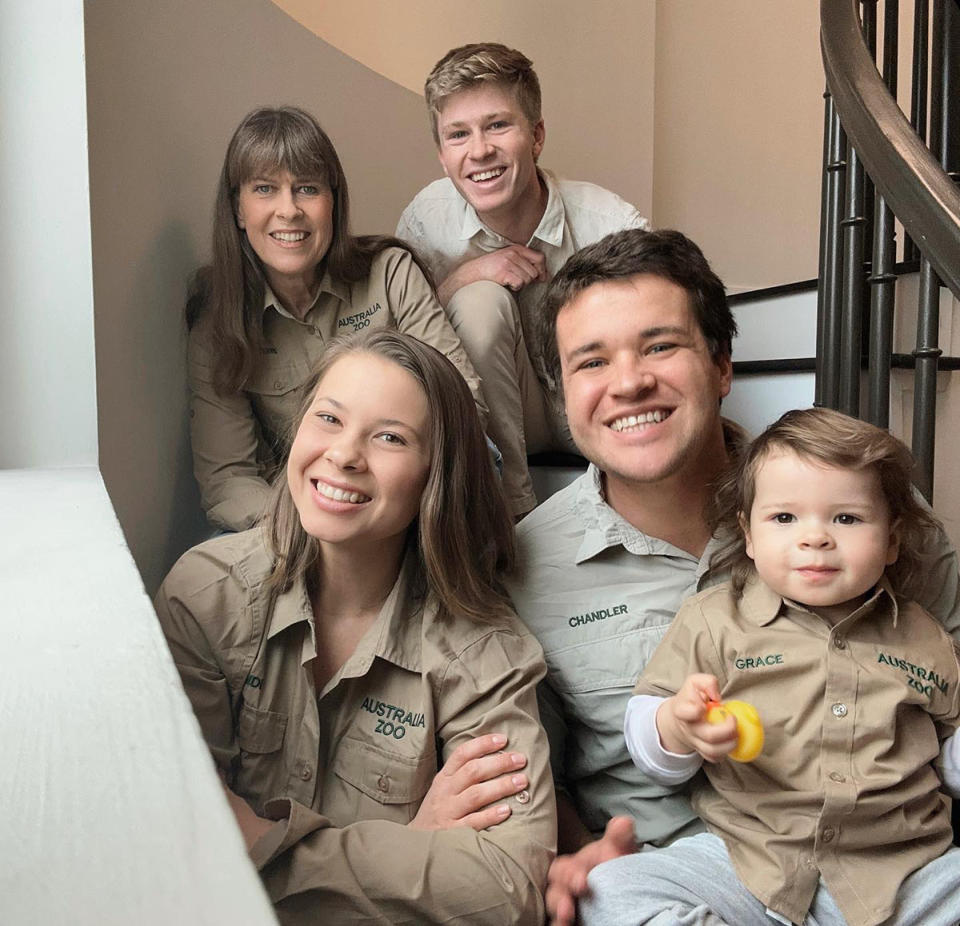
[[549, 231], [329, 285], [394, 635], [761, 604], [603, 527]]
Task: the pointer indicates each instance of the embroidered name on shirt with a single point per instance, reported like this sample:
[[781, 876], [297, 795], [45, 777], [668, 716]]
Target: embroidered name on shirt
[[393, 720], [758, 662], [359, 319], [579, 620], [917, 676]]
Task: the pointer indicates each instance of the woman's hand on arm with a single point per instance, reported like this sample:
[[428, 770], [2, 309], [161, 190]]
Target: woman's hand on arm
[[466, 791]]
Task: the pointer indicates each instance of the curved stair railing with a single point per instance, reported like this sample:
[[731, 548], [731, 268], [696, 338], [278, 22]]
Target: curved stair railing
[[877, 165]]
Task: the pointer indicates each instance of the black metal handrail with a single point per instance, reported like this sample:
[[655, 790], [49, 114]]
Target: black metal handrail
[[918, 190]]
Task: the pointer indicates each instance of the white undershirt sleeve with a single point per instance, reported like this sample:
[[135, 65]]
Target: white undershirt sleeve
[[645, 748]]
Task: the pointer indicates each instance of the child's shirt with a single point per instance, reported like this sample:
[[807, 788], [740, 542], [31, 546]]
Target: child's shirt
[[845, 788]]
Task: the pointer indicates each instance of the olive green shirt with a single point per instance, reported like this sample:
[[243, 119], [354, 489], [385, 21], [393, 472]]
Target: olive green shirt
[[238, 439], [349, 767], [845, 788]]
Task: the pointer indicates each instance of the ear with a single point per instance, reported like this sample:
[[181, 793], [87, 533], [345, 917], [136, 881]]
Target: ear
[[725, 365], [745, 527], [539, 136], [893, 546], [238, 213], [444, 166]]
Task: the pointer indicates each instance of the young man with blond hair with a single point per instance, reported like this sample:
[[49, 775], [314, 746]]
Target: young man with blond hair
[[494, 232]]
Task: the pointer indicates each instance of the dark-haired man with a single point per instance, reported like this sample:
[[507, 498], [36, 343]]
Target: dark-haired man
[[637, 329], [494, 231]]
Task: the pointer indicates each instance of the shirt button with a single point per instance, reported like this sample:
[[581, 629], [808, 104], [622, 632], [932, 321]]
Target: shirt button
[[523, 797], [277, 384], [836, 776], [317, 333], [839, 710], [383, 783], [828, 835], [840, 642], [306, 773]]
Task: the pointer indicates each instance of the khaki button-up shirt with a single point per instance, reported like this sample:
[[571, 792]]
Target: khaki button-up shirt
[[845, 788], [350, 766], [238, 439]]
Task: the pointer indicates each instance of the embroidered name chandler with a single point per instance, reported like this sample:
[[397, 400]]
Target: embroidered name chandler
[[919, 672], [578, 620]]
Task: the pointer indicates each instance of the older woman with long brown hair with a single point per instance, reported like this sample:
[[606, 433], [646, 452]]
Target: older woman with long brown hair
[[355, 656], [286, 276]]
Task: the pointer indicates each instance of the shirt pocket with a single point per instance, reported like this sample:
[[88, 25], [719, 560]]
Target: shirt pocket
[[371, 783], [261, 769]]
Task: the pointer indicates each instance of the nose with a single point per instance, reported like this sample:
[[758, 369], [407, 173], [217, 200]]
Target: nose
[[346, 453], [480, 146], [287, 205], [816, 537], [632, 378]]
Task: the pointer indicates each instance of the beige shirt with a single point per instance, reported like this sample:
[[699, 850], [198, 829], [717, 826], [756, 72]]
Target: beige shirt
[[845, 788], [351, 765], [238, 439]]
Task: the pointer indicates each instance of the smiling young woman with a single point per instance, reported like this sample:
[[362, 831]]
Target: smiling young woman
[[356, 666], [285, 278]]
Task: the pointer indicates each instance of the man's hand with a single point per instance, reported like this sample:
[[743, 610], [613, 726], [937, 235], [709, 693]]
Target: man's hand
[[682, 725], [466, 790], [513, 267], [567, 878]]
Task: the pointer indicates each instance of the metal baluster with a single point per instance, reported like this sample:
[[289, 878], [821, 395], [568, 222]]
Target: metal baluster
[[851, 329], [882, 278], [918, 91]]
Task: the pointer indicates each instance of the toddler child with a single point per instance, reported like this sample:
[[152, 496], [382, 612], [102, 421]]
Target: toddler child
[[840, 819]]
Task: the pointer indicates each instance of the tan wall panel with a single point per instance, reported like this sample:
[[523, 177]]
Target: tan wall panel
[[595, 64], [738, 134], [167, 84]]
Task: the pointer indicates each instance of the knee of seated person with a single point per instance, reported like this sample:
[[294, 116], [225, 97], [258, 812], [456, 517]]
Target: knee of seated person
[[480, 310]]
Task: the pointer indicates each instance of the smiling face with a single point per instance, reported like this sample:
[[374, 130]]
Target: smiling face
[[818, 535], [489, 150], [641, 390], [289, 223], [361, 456]]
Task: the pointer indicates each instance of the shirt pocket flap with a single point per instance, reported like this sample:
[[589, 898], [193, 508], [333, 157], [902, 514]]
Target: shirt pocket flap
[[384, 776], [615, 661], [277, 377], [259, 731]]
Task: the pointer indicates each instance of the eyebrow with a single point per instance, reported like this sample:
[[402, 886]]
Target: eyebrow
[[645, 335]]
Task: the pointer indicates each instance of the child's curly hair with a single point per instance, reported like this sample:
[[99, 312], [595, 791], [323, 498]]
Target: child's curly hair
[[823, 436]]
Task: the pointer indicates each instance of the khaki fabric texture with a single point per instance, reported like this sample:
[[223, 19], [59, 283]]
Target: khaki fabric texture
[[350, 767], [845, 787], [239, 439]]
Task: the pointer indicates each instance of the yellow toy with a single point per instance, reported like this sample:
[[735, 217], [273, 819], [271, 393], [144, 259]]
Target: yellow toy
[[749, 727]]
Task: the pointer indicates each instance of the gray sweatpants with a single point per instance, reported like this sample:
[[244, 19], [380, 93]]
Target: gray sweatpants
[[693, 883]]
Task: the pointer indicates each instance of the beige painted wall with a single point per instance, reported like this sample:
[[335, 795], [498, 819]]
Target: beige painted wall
[[739, 133], [581, 53]]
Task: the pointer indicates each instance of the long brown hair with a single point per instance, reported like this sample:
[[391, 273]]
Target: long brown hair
[[230, 289], [463, 534], [823, 436]]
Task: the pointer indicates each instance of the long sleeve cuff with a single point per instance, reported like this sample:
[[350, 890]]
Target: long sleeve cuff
[[646, 750]]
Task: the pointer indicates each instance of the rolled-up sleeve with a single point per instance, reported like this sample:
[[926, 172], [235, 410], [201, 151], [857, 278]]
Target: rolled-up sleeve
[[379, 871], [225, 438]]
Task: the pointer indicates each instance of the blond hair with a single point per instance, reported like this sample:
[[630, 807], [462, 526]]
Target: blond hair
[[469, 66]]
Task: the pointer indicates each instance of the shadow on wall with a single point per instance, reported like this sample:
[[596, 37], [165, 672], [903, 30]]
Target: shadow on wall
[[144, 434]]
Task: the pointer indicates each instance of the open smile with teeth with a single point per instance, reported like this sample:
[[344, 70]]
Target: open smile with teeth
[[289, 237], [639, 422], [339, 495], [491, 174]]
